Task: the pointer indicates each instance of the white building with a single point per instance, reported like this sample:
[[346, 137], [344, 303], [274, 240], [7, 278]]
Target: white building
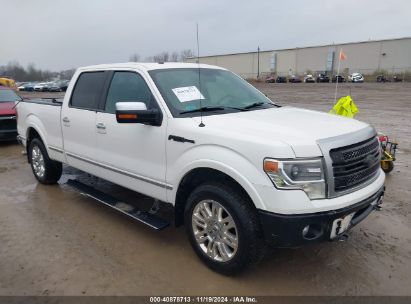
[[390, 55]]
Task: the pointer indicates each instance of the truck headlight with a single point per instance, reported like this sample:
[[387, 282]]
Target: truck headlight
[[306, 175]]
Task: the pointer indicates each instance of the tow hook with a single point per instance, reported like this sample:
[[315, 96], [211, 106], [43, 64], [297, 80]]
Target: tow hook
[[377, 206], [342, 237]]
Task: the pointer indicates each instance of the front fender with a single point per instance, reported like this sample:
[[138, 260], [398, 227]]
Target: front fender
[[221, 159]]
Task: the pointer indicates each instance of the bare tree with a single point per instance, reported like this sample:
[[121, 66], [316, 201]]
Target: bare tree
[[14, 70], [161, 57], [174, 57], [166, 56], [67, 74], [184, 54], [149, 59], [135, 57], [31, 73]]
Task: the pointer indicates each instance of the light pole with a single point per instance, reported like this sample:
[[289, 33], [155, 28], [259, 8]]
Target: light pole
[[258, 62]]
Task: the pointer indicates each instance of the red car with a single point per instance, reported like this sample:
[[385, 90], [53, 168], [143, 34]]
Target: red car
[[8, 124]]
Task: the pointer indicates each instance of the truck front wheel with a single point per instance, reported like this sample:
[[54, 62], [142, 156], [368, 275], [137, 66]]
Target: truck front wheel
[[223, 228], [45, 170]]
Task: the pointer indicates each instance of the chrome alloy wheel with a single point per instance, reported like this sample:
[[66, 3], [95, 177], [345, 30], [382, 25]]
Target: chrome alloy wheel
[[37, 161], [215, 230]]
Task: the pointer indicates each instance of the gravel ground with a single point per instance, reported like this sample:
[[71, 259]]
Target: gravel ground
[[53, 241]]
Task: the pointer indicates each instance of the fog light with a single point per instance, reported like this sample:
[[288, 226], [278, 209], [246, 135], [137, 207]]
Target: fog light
[[312, 232], [305, 230]]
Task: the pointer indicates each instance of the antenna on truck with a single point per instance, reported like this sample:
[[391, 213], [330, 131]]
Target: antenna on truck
[[199, 81]]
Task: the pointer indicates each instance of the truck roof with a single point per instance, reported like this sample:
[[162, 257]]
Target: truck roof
[[148, 66]]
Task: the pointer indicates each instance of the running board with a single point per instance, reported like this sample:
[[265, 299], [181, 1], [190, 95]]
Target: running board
[[144, 217]]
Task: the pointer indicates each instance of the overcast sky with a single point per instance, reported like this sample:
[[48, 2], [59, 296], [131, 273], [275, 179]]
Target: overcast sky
[[57, 34]]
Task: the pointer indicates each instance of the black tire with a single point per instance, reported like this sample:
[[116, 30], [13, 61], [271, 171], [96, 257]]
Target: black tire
[[389, 167], [251, 246], [52, 169]]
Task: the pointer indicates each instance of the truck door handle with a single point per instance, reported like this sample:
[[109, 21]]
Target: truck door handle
[[66, 120], [101, 126]]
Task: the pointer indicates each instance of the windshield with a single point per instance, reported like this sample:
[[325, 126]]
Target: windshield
[[219, 90], [8, 96]]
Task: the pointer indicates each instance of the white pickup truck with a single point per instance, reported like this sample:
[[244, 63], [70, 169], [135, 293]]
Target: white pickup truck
[[241, 171]]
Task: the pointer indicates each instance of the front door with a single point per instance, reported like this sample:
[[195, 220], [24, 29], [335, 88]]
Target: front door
[[132, 155]]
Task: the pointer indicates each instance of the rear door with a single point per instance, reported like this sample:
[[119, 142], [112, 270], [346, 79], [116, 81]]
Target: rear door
[[133, 155], [79, 121]]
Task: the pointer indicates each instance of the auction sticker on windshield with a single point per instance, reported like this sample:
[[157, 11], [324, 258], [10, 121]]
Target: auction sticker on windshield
[[185, 94]]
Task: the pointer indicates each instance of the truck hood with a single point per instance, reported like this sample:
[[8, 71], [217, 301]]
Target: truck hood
[[6, 108], [299, 128]]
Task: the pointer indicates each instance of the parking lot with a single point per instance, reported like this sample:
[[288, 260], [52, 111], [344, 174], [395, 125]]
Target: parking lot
[[53, 241]]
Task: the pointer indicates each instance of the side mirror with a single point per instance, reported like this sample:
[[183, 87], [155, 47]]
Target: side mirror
[[136, 112]]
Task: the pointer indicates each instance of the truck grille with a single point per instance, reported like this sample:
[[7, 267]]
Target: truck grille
[[355, 164], [8, 123]]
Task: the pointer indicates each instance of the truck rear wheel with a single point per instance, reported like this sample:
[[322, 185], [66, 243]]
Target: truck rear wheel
[[45, 170], [223, 228]]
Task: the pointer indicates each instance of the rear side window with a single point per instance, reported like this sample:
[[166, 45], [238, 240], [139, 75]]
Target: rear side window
[[128, 86], [87, 90]]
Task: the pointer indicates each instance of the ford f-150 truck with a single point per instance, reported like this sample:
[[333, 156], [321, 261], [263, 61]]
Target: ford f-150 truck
[[241, 171]]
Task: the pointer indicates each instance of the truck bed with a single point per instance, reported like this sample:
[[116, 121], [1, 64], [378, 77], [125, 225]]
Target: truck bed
[[46, 101]]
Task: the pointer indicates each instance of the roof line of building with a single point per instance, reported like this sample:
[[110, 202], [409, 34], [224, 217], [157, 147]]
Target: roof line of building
[[304, 47]]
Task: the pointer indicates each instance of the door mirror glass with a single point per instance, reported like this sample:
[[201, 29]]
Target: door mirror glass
[[136, 112]]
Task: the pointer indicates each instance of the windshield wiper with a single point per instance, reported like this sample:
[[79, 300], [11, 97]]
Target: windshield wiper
[[209, 109], [254, 105], [257, 104], [203, 109]]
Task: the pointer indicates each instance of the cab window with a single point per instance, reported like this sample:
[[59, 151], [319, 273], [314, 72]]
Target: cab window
[[87, 91], [128, 87]]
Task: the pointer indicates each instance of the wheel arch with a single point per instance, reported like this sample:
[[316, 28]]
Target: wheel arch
[[198, 176], [33, 132]]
